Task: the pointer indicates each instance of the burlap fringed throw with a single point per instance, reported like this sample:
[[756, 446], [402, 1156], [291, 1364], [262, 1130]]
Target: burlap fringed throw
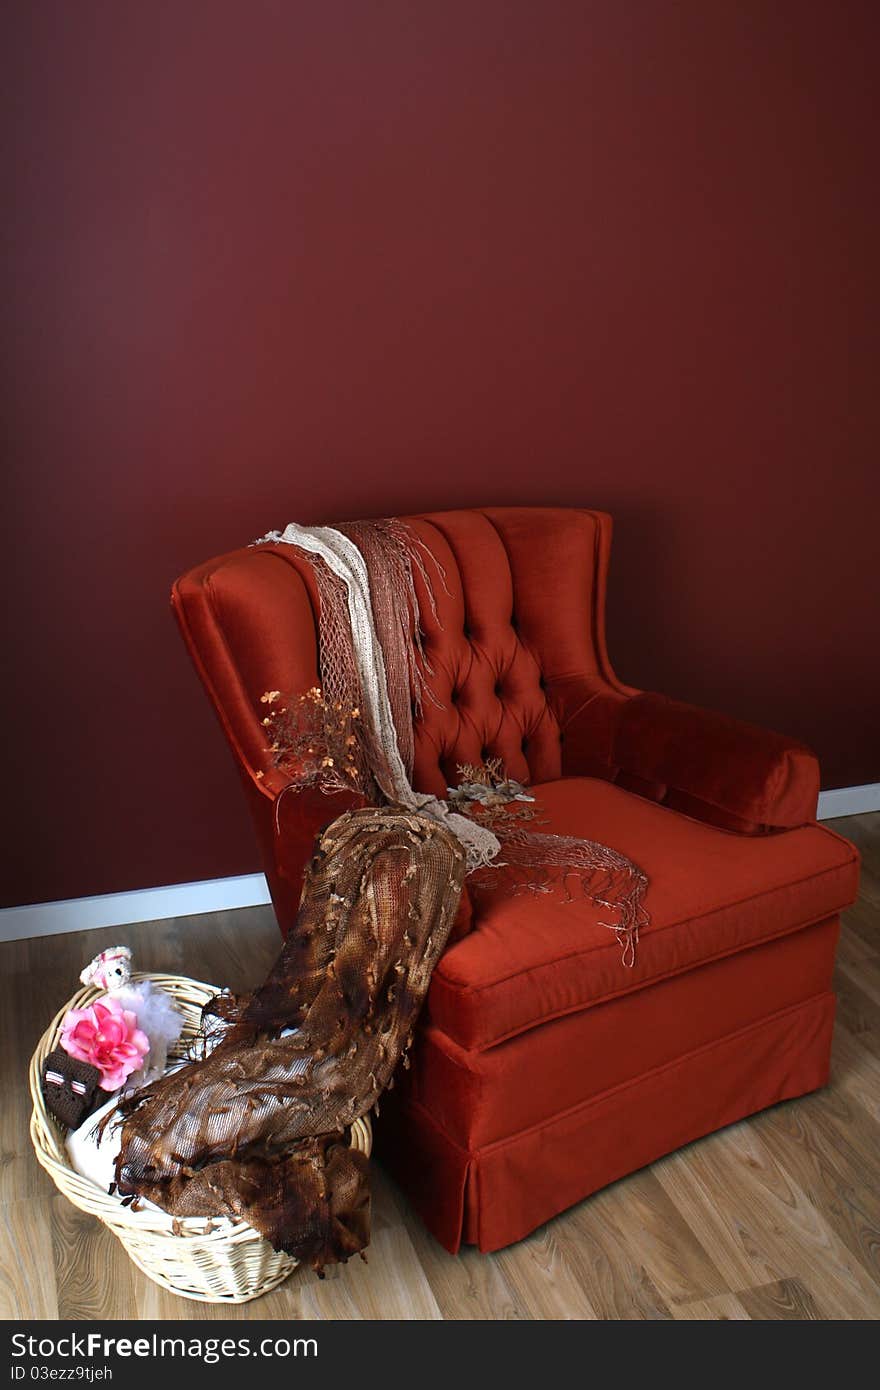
[[256, 1129]]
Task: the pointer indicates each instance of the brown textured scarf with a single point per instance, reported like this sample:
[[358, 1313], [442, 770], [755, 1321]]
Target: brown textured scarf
[[256, 1129]]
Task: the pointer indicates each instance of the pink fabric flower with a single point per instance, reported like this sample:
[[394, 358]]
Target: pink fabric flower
[[106, 1035]]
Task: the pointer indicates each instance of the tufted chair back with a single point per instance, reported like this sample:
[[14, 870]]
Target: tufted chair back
[[518, 617]]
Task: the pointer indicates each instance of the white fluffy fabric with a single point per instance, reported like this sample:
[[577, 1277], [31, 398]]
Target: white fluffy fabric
[[158, 1018]]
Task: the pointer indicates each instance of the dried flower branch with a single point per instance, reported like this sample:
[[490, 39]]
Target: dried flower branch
[[488, 795], [487, 774], [315, 739]]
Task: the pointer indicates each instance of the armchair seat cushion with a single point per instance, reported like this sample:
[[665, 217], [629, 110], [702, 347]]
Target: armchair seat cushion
[[530, 958]]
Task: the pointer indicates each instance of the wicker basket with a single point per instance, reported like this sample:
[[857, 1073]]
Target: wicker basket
[[214, 1262]]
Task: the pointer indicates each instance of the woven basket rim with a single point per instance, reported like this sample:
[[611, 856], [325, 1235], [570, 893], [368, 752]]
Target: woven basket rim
[[48, 1136]]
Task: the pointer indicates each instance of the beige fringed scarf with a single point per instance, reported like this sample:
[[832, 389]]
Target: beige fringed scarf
[[371, 656]]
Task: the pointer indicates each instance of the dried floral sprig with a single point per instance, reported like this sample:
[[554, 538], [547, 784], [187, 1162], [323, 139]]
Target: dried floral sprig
[[487, 774], [316, 739], [487, 793]]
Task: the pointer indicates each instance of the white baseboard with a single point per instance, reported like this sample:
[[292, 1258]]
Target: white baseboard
[[849, 801], [250, 890], [141, 905]]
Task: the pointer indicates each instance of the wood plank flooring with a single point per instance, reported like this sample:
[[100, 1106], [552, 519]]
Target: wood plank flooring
[[777, 1217]]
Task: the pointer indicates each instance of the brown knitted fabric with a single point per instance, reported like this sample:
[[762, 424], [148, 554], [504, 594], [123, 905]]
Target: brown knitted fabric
[[256, 1129], [71, 1089]]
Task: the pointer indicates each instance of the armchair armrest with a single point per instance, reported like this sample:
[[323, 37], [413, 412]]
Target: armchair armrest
[[712, 767], [293, 817]]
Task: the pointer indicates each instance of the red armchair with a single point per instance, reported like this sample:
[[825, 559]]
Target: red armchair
[[543, 1069]]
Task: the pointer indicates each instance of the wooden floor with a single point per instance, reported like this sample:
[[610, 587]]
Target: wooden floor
[[776, 1217]]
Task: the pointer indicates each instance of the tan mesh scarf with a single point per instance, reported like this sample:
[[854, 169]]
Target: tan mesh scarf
[[390, 550], [256, 1129], [363, 660]]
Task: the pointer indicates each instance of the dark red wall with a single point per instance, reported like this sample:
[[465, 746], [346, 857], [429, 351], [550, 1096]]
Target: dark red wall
[[277, 260]]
